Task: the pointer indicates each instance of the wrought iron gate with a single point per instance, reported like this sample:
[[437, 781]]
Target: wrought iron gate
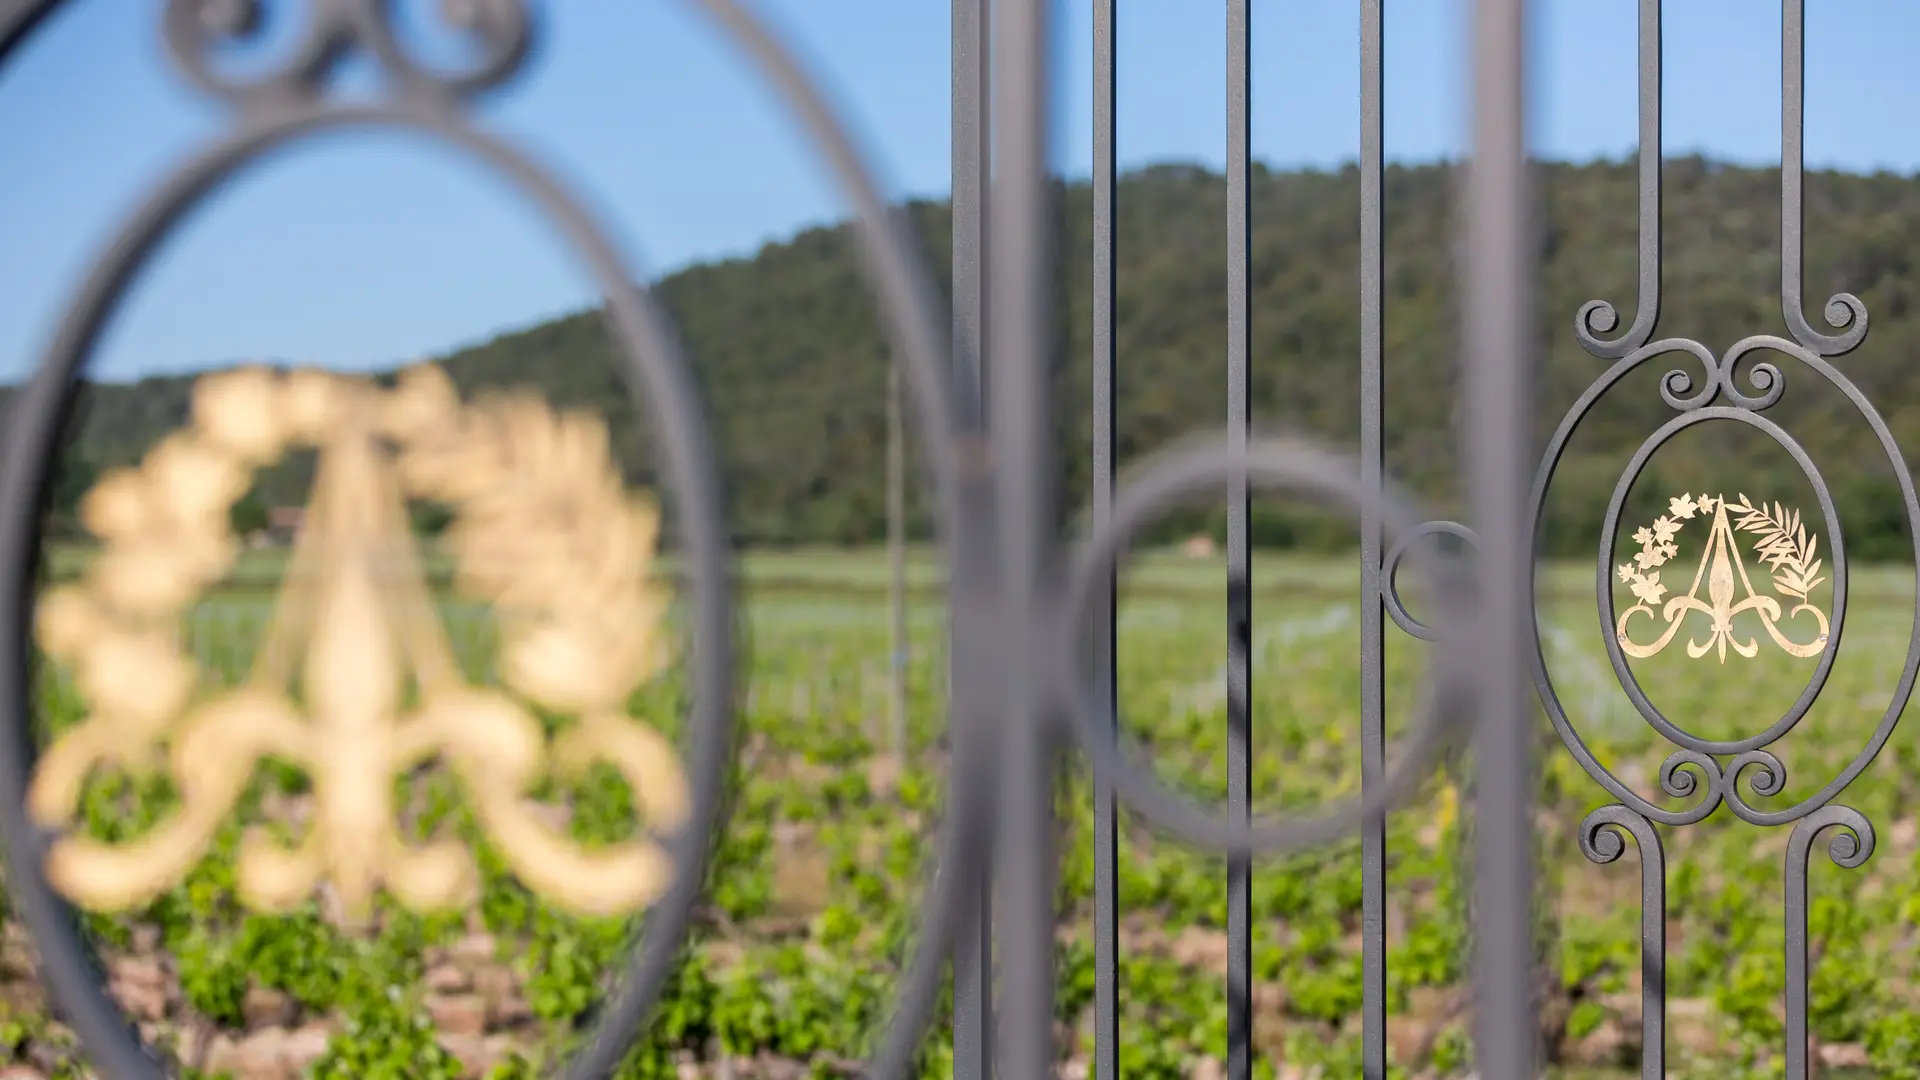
[[1033, 618]]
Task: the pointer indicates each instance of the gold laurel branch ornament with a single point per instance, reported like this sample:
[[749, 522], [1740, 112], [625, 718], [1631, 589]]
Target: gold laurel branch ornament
[[544, 530], [1781, 542]]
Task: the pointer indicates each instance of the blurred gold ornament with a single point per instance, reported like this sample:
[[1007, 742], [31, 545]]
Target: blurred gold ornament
[[64, 620], [239, 411], [544, 531], [116, 507]]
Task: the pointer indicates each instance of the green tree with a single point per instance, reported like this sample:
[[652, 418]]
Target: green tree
[[791, 358], [74, 475]]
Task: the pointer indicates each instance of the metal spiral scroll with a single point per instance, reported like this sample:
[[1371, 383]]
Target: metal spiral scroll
[[292, 101]]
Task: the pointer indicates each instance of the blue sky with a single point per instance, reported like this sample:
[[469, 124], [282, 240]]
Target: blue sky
[[361, 250]]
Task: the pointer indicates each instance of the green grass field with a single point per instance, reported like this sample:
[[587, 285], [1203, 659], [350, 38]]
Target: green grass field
[[812, 904]]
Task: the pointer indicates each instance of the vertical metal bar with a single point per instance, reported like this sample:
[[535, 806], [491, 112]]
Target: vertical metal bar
[[1598, 315], [1653, 953], [1850, 849], [1601, 842], [1793, 68], [1653, 866], [1794, 951], [971, 62], [1647, 306], [1239, 591], [1021, 235], [1844, 310], [1497, 450], [897, 557], [972, 159], [1373, 723], [1106, 845]]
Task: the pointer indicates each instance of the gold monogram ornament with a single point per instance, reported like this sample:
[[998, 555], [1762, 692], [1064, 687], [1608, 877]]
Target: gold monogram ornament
[[355, 682], [1783, 544]]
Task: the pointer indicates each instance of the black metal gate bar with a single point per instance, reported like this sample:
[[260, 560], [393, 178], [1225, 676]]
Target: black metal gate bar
[[1496, 381], [1104, 648], [1239, 584], [1373, 832], [1020, 237], [1793, 108], [971, 61], [1646, 315]]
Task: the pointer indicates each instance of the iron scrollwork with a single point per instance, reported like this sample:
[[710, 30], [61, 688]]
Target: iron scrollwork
[[1740, 773], [1602, 840]]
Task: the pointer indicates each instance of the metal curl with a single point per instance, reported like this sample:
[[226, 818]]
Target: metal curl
[[1852, 847], [1603, 840], [1167, 480], [1597, 317], [1765, 377], [1844, 311], [195, 30], [1849, 849], [503, 31], [1602, 837], [1769, 776], [1390, 574], [1680, 784], [1676, 386], [1677, 780]]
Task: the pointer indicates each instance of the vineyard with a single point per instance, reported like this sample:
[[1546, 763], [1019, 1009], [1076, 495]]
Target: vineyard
[[812, 904]]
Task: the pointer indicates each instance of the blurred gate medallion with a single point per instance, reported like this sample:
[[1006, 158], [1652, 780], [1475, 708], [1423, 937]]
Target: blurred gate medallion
[[355, 682]]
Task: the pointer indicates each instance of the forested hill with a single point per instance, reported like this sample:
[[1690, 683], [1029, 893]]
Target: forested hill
[[788, 351]]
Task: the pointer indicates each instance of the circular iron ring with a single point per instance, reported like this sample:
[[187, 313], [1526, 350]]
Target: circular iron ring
[[1390, 574], [1168, 480]]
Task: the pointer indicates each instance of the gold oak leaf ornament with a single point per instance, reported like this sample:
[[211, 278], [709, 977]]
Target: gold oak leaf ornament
[[1781, 541], [355, 681]]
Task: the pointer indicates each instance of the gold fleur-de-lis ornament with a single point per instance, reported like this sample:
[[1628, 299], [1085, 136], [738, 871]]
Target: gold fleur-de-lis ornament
[[355, 681], [1781, 542]]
